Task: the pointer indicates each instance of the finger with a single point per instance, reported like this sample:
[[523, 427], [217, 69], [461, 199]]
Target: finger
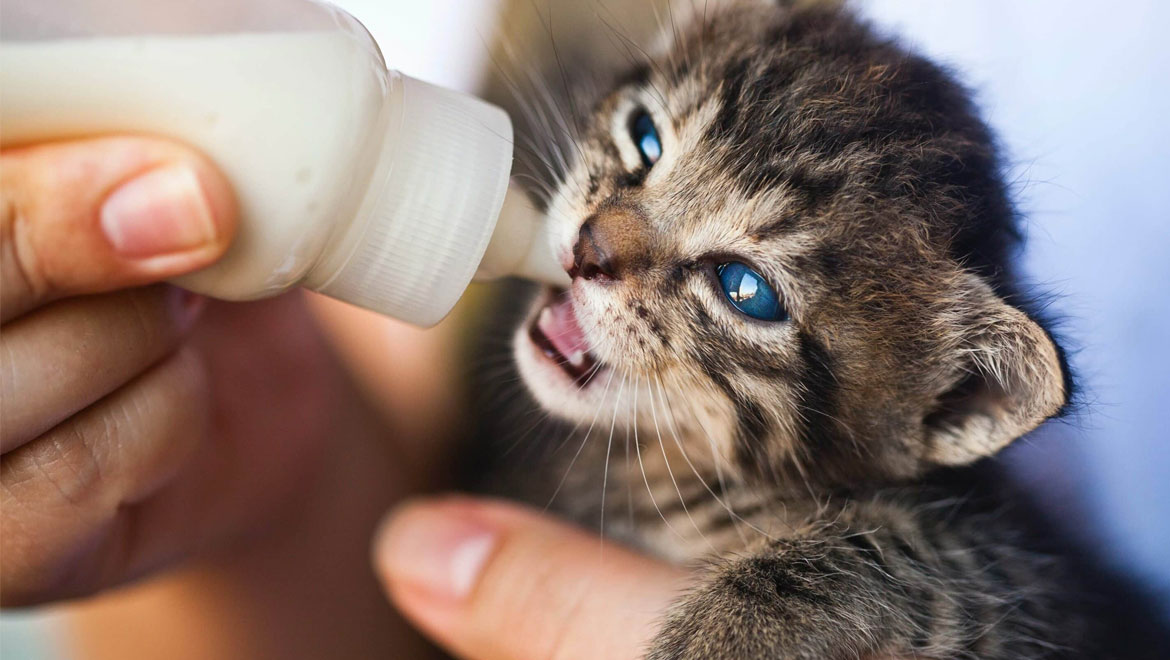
[[491, 581], [68, 498], [96, 215], [62, 358]]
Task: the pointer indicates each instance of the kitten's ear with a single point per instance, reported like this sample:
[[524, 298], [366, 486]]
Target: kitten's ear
[[1006, 375]]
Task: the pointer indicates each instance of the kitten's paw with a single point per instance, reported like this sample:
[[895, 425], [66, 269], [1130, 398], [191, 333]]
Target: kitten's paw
[[753, 609]]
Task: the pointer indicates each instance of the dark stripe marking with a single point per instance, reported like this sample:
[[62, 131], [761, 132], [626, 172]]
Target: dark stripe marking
[[817, 400]]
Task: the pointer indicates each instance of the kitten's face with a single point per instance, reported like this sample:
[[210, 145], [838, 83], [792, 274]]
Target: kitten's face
[[762, 224]]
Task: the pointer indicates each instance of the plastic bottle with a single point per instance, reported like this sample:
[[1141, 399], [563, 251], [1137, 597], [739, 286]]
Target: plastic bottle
[[352, 180]]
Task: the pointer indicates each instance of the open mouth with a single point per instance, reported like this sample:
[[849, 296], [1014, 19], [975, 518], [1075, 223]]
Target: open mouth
[[556, 333]]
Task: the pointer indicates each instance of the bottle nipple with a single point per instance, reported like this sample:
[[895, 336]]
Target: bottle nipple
[[520, 245]]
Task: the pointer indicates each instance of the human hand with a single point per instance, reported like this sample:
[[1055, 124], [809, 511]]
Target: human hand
[[133, 436], [492, 581]]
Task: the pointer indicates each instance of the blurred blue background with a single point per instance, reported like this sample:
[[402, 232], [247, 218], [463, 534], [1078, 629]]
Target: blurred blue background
[[1079, 92]]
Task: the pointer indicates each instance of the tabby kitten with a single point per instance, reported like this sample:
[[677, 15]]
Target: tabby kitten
[[792, 316]]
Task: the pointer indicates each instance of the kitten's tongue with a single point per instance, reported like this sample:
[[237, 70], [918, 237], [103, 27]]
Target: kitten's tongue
[[558, 322]]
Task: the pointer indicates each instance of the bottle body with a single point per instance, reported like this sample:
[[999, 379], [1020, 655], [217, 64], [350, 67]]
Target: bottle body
[[286, 112], [247, 101], [351, 179]]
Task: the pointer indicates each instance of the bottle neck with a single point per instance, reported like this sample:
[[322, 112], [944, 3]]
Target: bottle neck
[[429, 210], [521, 245]]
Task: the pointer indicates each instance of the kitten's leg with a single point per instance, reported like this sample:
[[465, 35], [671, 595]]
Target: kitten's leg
[[883, 591]]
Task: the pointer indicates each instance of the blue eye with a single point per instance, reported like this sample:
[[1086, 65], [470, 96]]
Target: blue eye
[[645, 137], [749, 293]]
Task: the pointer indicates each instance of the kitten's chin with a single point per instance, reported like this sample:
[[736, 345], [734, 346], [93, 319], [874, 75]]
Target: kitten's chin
[[554, 359]]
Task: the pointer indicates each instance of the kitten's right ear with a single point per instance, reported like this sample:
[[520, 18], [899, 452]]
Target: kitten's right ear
[[1004, 376]]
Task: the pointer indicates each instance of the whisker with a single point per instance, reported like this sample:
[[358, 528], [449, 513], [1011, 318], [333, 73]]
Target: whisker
[[626, 474], [642, 467], [734, 516], [608, 447], [583, 441], [626, 44], [537, 110], [716, 458], [681, 500], [571, 125]]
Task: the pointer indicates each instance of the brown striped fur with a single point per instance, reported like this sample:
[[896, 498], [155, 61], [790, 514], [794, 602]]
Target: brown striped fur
[[813, 466]]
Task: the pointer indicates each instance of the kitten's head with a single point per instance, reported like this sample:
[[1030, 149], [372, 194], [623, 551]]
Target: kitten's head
[[789, 242]]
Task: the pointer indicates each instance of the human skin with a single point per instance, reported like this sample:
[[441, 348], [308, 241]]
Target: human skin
[[490, 580], [147, 431], [299, 585]]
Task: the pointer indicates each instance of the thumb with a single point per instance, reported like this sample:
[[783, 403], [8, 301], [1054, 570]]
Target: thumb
[[95, 215], [493, 581]]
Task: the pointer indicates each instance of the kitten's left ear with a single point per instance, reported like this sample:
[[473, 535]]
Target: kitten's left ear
[[1007, 375]]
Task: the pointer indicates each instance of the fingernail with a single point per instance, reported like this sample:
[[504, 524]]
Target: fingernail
[[162, 212], [185, 306], [434, 549]]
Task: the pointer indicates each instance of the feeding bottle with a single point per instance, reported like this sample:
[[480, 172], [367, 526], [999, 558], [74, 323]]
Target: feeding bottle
[[352, 180]]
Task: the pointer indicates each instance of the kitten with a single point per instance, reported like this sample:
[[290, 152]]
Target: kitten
[[793, 320]]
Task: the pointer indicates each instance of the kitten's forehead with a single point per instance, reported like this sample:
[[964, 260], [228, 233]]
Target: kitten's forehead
[[777, 121], [718, 88]]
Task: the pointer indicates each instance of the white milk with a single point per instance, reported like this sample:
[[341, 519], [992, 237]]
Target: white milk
[[283, 115], [351, 179]]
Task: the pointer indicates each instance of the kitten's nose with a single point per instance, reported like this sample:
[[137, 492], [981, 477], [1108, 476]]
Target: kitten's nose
[[591, 258], [610, 245]]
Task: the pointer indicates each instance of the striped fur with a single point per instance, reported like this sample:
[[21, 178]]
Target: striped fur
[[813, 466]]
